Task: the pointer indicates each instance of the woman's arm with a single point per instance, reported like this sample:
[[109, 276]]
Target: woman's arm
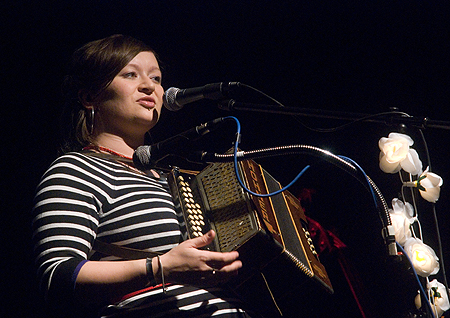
[[103, 282], [106, 281]]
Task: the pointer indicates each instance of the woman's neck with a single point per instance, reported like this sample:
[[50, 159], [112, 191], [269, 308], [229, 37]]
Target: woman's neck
[[116, 144]]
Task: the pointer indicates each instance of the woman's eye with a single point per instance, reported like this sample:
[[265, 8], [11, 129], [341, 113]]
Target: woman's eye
[[157, 79], [129, 75]]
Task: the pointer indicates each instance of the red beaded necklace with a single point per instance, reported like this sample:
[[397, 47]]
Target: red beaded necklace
[[100, 148], [104, 149]]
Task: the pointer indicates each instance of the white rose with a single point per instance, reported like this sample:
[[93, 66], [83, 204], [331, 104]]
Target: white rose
[[422, 257], [401, 227], [405, 209], [402, 216], [396, 154], [440, 301], [429, 185]]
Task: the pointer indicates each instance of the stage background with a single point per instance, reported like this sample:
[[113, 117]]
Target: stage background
[[354, 56]]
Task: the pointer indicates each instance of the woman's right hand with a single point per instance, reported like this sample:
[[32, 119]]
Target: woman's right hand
[[187, 264]]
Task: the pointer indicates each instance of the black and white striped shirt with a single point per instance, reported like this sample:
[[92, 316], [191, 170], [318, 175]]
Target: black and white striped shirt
[[81, 198]]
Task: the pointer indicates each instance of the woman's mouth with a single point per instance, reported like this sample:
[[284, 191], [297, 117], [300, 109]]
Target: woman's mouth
[[147, 102]]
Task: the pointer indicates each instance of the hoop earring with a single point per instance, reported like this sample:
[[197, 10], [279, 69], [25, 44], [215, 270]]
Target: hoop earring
[[90, 121]]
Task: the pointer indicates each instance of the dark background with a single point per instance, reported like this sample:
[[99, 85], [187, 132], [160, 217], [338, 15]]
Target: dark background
[[353, 56]]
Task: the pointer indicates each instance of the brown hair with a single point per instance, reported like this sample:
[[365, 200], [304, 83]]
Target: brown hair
[[93, 68]]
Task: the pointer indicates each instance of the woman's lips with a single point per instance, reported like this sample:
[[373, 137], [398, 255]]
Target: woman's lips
[[147, 102]]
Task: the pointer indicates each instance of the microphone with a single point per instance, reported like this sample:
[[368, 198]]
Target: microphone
[[145, 157], [175, 98]]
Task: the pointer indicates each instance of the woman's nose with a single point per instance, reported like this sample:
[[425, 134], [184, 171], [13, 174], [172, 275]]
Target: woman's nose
[[147, 86]]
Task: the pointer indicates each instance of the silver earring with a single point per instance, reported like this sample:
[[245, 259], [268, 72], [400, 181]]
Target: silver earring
[[90, 121]]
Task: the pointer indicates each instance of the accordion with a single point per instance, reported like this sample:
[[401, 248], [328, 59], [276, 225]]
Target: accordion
[[270, 233]]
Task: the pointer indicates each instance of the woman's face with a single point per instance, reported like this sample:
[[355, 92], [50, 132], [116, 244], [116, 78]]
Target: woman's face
[[131, 104]]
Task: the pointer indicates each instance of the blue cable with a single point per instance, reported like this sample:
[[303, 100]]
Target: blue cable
[[236, 147]]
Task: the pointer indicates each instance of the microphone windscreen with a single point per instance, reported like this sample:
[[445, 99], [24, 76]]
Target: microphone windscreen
[[141, 157], [169, 100]]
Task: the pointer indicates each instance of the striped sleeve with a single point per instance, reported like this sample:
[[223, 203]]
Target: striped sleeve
[[64, 225]]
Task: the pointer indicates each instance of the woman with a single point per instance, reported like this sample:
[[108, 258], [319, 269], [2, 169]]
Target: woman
[[93, 193]]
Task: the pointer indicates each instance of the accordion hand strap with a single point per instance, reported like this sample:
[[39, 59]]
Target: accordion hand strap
[[121, 251]]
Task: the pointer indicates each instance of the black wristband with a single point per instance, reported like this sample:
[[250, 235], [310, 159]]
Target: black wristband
[[149, 269]]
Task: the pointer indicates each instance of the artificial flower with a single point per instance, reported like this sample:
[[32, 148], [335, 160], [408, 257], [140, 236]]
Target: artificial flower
[[396, 154], [429, 185], [423, 258], [439, 297], [402, 216]]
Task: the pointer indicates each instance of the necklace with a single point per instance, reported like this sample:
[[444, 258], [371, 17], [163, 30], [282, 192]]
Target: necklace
[[100, 148], [104, 149]]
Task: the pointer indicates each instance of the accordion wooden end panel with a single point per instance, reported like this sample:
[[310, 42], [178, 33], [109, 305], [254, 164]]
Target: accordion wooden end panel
[[270, 233]]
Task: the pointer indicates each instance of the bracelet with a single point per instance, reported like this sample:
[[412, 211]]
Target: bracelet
[[162, 274], [149, 270]]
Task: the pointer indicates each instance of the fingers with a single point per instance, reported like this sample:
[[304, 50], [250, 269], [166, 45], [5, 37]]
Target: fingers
[[203, 240], [215, 260], [218, 260], [188, 263], [219, 257], [231, 268], [221, 275]]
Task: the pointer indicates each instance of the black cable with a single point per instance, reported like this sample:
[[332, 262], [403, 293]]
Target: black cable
[[435, 219]]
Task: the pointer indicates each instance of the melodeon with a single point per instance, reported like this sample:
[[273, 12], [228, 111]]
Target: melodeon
[[280, 263]]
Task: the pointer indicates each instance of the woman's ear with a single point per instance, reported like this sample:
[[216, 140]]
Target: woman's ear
[[85, 99]]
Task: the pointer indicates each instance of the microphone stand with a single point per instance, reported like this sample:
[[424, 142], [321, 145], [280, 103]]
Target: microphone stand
[[403, 118]]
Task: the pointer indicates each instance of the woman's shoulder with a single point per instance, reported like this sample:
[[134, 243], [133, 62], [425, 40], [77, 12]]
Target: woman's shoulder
[[81, 162], [84, 157]]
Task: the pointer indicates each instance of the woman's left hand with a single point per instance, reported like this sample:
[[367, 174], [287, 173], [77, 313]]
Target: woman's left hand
[[188, 264]]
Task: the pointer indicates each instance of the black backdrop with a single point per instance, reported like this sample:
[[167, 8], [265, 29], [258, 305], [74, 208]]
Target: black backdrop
[[353, 56]]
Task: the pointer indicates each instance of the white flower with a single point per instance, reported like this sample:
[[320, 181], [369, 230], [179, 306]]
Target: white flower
[[396, 154], [423, 258], [439, 297], [402, 216], [429, 185]]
